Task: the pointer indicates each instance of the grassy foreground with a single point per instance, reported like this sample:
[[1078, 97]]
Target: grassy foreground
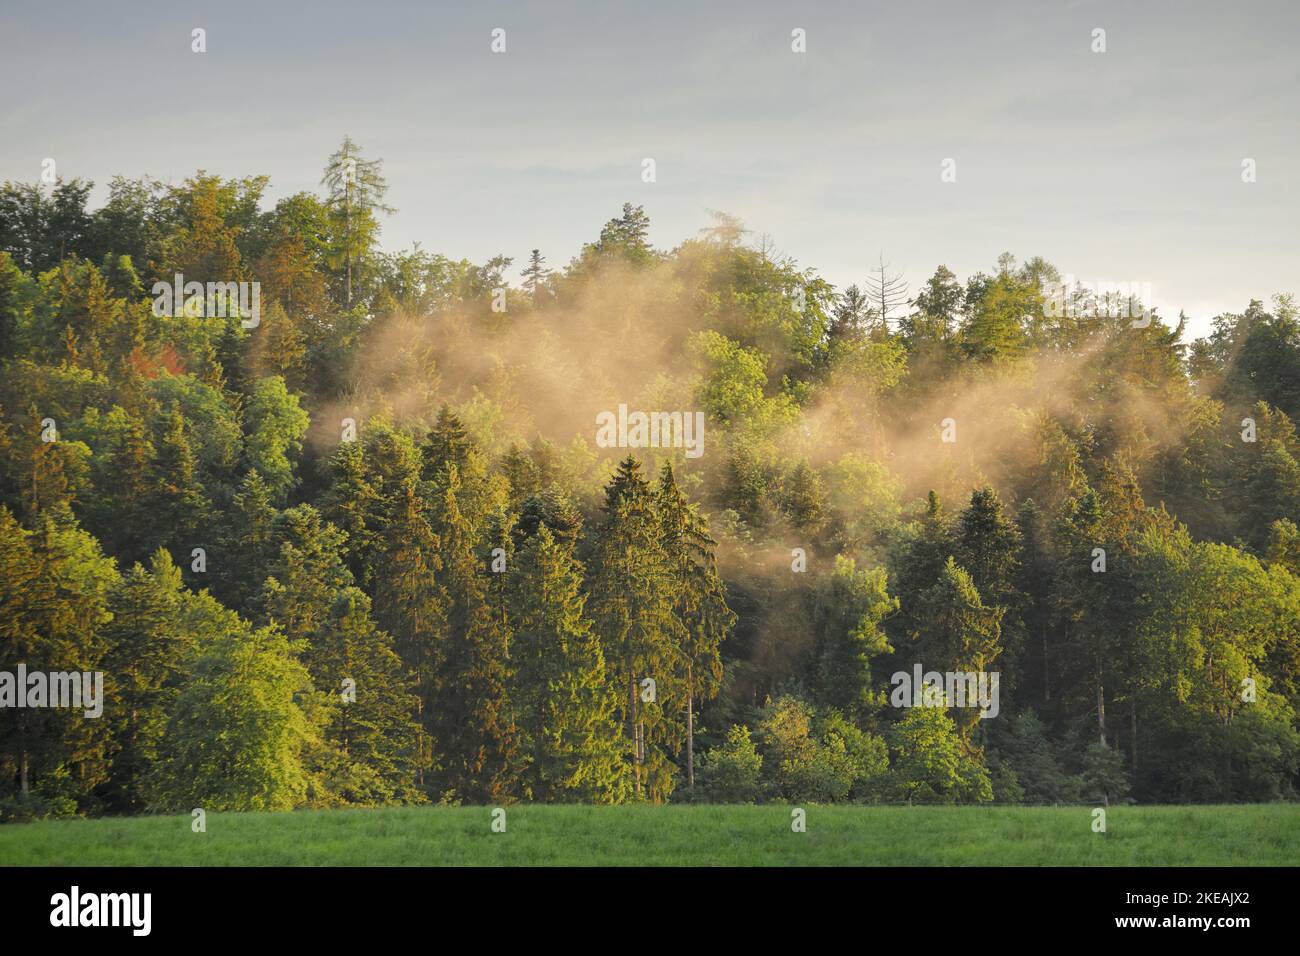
[[1259, 835]]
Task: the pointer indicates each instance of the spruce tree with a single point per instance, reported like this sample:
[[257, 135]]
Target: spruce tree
[[634, 598], [177, 505], [148, 650], [700, 601], [571, 747], [848, 614], [957, 632], [412, 607], [247, 546], [471, 720], [535, 276], [371, 723]]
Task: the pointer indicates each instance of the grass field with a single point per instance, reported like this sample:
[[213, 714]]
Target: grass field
[[1261, 835]]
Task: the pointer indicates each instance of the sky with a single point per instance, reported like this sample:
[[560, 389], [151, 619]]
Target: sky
[[1116, 166]]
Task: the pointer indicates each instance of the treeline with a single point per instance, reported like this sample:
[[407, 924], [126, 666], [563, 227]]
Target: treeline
[[365, 553]]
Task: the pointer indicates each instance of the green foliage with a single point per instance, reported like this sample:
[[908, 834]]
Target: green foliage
[[732, 772], [237, 737], [928, 761], [571, 744], [1103, 778], [784, 565], [818, 760], [848, 617], [1027, 751], [276, 425]]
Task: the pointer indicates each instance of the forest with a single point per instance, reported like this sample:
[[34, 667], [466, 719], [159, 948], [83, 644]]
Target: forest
[[353, 540]]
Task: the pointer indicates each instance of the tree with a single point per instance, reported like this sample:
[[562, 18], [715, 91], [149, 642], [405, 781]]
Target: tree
[[790, 752], [819, 758], [276, 426], [994, 330], [356, 189], [929, 765], [247, 545], [625, 237], [351, 503], [849, 321], [471, 726], [570, 742], [371, 726], [412, 606], [957, 632], [12, 281], [886, 291], [848, 614], [148, 652], [40, 231], [634, 610], [178, 505], [988, 547], [938, 306], [1103, 777], [237, 737], [1038, 771], [732, 771], [700, 599], [917, 561], [200, 243], [55, 585], [536, 276], [804, 498], [1084, 601]]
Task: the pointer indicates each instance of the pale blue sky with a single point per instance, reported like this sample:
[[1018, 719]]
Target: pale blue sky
[[1122, 166]]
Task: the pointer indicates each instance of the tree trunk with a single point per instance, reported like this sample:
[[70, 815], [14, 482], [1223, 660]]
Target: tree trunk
[[420, 740], [1047, 684], [633, 730], [1101, 704], [690, 735], [1133, 730], [347, 240]]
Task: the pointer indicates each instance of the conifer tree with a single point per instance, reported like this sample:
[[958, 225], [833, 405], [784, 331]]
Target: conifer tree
[[634, 610], [570, 740], [133, 461], [351, 503], [700, 600], [917, 563], [148, 651], [371, 723], [1083, 599], [535, 276], [412, 607], [54, 603], [956, 631], [178, 505], [472, 727], [247, 545], [356, 192], [987, 546], [848, 615]]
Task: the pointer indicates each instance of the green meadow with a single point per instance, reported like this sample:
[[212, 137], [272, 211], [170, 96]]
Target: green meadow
[[1238, 835]]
